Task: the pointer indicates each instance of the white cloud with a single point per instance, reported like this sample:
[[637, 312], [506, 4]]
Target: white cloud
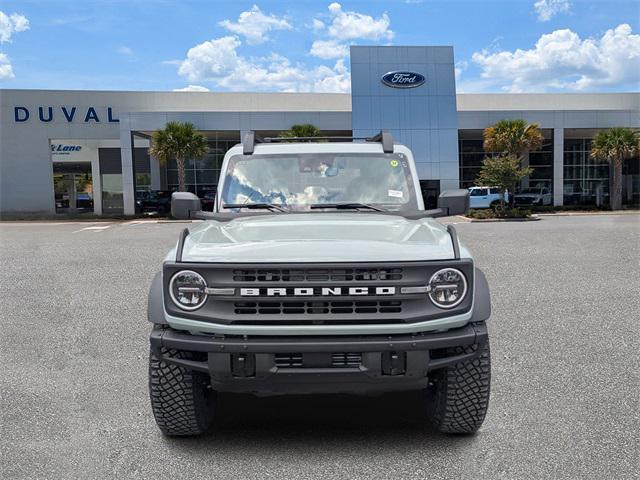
[[211, 59], [328, 49], [6, 70], [10, 24], [353, 25], [192, 88], [331, 80], [125, 51], [561, 60], [254, 25], [218, 61], [460, 67], [547, 9], [347, 26]]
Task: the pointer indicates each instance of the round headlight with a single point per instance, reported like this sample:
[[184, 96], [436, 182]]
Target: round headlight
[[447, 287], [188, 290]]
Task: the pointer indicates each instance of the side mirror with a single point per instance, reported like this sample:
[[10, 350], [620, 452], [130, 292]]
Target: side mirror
[[454, 202], [184, 205]]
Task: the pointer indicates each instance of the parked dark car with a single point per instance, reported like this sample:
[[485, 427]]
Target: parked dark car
[[207, 199], [84, 200], [154, 201]]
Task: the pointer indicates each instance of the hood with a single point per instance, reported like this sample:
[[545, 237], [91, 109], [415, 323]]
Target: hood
[[318, 237]]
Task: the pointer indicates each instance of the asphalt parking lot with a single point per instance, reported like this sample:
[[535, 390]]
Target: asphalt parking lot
[[565, 391]]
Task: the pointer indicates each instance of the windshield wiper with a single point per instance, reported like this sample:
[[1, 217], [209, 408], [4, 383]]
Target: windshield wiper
[[256, 206], [346, 206]]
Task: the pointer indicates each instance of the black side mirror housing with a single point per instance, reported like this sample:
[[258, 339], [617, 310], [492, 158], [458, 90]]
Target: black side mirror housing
[[185, 205], [454, 202]]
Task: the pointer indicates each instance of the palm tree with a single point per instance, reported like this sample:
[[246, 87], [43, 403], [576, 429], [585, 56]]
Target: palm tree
[[180, 141], [301, 130], [615, 146], [514, 139]]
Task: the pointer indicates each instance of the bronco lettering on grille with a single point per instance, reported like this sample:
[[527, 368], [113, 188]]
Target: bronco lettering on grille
[[315, 291]]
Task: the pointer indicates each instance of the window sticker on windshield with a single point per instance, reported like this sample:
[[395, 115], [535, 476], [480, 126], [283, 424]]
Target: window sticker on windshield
[[393, 163], [395, 193]]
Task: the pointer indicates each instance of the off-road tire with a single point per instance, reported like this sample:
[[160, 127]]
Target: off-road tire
[[459, 395], [181, 401]]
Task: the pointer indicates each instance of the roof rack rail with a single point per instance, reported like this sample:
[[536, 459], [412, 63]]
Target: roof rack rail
[[250, 139]]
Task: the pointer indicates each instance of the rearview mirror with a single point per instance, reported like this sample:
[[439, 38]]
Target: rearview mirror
[[185, 205], [454, 202]]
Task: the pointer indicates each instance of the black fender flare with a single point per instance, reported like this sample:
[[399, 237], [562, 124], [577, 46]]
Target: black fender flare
[[155, 302], [482, 298]]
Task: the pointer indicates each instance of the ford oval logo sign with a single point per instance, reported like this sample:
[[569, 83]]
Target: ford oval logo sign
[[403, 79]]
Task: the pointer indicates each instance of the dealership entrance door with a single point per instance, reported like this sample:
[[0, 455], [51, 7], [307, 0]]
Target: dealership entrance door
[[73, 187]]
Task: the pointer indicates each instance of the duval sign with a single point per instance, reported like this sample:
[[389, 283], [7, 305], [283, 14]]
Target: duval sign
[[67, 113], [401, 79]]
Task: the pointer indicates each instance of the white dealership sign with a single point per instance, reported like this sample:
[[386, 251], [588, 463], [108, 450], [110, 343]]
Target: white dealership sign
[[73, 150]]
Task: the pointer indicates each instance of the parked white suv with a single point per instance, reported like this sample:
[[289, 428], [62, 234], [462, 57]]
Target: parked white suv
[[485, 197], [532, 196]]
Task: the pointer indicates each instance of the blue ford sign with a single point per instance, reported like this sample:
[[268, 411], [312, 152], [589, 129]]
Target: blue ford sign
[[403, 79]]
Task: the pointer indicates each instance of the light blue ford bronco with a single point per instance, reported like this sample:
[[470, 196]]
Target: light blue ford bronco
[[319, 271]]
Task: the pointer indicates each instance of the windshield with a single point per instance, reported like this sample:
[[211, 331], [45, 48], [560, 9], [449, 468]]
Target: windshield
[[528, 191], [299, 181]]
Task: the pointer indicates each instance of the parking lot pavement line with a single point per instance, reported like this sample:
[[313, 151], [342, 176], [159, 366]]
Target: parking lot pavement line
[[93, 228], [133, 223], [38, 223]]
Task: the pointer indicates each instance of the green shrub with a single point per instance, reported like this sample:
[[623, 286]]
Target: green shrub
[[498, 213]]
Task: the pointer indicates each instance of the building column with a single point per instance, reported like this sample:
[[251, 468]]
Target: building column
[[126, 158], [558, 167], [96, 184]]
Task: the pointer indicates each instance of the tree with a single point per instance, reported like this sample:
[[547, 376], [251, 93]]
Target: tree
[[514, 139], [504, 172], [180, 141], [301, 130], [615, 146]]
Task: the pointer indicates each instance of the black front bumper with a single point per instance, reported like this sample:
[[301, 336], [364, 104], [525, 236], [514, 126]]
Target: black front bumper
[[254, 364]]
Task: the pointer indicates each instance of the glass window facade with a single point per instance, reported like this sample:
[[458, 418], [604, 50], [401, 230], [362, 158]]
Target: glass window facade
[[202, 175], [142, 169], [631, 183], [542, 163], [472, 154], [111, 181], [586, 181]]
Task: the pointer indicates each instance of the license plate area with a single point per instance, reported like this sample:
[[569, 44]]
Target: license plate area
[[318, 360]]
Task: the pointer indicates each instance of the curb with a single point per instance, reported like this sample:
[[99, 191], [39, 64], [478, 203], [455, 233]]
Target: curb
[[577, 214], [496, 220]]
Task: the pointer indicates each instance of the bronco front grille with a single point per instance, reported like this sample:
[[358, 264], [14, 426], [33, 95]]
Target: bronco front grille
[[317, 275], [317, 307]]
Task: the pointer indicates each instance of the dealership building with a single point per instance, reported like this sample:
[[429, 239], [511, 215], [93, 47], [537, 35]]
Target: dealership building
[[66, 151]]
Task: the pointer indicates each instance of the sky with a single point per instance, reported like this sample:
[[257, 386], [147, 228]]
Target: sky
[[296, 45]]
